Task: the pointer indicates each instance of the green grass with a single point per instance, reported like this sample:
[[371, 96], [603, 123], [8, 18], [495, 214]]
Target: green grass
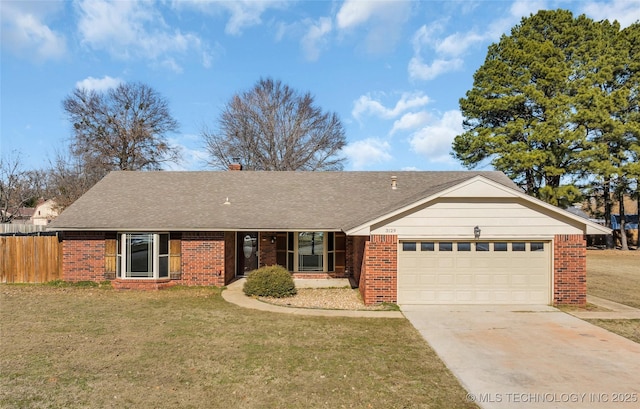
[[84, 347]]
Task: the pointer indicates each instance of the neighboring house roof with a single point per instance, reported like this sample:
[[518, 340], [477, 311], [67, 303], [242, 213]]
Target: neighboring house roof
[[631, 221], [577, 211], [172, 201], [24, 213]]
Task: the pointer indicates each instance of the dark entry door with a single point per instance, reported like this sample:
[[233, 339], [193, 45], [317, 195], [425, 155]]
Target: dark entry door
[[247, 252]]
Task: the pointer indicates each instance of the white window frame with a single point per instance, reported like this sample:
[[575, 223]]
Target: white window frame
[[122, 272]]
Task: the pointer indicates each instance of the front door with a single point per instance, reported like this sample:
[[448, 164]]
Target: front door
[[247, 252]]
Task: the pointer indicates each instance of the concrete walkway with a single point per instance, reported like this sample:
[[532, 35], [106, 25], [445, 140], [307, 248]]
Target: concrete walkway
[[616, 311], [531, 356], [233, 294]]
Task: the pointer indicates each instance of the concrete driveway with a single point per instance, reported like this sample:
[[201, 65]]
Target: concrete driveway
[[531, 357]]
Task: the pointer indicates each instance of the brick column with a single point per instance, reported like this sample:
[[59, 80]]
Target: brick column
[[570, 270], [268, 254], [203, 258], [379, 273], [83, 256]]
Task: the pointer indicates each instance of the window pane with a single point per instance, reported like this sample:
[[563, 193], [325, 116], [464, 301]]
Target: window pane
[[310, 251], [517, 246], [164, 267], [537, 246], [426, 246], [119, 265], [311, 243], [330, 241], [409, 246], [164, 244], [290, 265], [482, 246], [445, 246], [290, 241], [464, 246], [331, 262], [139, 255], [500, 246]]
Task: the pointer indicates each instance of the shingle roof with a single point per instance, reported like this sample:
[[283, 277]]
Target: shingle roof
[[171, 201]]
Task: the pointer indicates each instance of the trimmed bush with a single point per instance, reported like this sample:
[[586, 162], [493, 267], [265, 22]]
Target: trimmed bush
[[270, 281]]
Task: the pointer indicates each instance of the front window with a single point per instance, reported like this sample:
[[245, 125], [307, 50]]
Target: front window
[[311, 251], [143, 255]]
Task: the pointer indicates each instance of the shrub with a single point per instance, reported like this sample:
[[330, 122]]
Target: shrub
[[270, 281]]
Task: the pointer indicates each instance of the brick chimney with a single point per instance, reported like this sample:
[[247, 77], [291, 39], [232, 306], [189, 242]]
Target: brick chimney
[[235, 165]]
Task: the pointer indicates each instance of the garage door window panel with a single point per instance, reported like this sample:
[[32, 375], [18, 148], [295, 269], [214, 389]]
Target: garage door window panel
[[518, 246], [500, 246], [445, 246], [409, 246], [536, 246], [427, 246]]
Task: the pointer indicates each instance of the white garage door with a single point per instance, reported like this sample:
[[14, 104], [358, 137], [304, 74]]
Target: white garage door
[[449, 272]]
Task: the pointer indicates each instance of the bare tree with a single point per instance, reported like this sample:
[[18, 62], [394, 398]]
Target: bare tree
[[124, 128], [273, 127], [67, 179], [15, 188]]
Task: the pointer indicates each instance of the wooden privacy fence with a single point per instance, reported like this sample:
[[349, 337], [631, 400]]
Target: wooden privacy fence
[[30, 259]]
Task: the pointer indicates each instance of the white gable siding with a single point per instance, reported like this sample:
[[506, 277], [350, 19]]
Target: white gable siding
[[455, 218], [480, 188]]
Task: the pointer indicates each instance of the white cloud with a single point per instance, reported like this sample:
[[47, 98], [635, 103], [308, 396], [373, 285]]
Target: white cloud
[[25, 33], [418, 69], [191, 159], [131, 29], [316, 37], [246, 13], [448, 50], [426, 35], [384, 18], [434, 141], [354, 12], [98, 84], [171, 64], [456, 44], [409, 121], [242, 13], [626, 12], [367, 105], [367, 152]]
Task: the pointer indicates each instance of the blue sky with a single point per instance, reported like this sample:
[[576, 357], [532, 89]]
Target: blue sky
[[392, 70]]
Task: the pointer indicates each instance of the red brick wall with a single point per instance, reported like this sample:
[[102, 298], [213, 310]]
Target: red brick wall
[[570, 270], [83, 256], [230, 256], [203, 258], [267, 250], [355, 254], [379, 273]]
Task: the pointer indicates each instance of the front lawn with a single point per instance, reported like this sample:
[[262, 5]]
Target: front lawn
[[627, 328], [614, 275], [71, 347]]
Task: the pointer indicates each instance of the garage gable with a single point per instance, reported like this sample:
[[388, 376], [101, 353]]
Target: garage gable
[[498, 210]]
